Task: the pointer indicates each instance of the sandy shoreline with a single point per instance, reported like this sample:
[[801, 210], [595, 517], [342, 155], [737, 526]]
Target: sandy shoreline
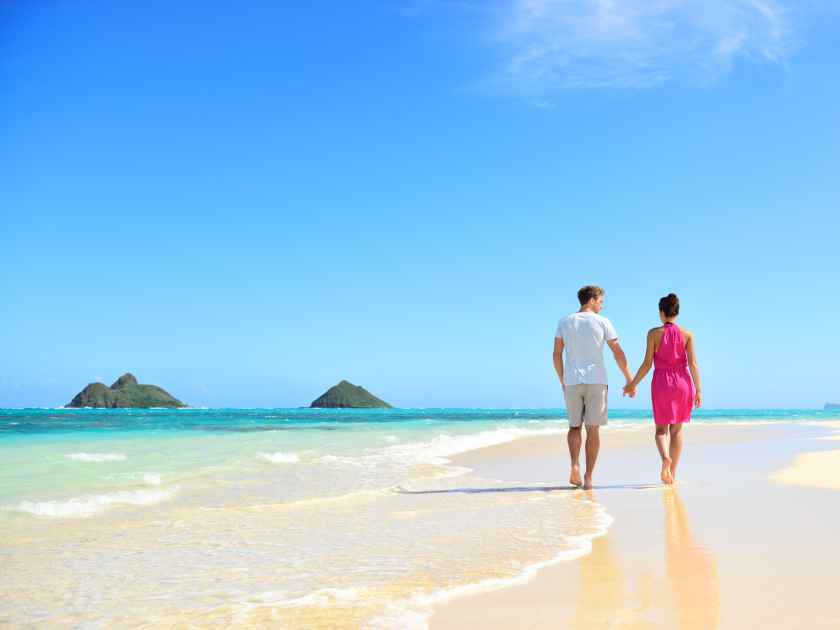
[[496, 538], [732, 546]]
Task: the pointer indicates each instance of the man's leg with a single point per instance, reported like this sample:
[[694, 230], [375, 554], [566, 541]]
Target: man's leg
[[676, 448], [593, 445], [595, 417], [666, 475], [573, 438], [574, 409]]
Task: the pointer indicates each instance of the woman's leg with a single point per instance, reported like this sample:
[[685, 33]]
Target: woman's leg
[[661, 438], [676, 447]]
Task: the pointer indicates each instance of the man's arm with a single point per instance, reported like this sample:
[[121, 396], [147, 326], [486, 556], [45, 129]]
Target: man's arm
[[558, 359], [620, 358], [644, 368]]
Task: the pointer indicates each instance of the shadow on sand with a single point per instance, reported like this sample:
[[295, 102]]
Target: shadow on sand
[[622, 486]]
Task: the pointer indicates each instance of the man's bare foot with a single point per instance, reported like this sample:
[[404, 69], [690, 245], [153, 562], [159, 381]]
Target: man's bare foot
[[665, 475], [574, 478], [587, 483]]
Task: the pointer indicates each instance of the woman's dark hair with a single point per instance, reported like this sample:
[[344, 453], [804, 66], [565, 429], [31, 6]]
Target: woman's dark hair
[[670, 305]]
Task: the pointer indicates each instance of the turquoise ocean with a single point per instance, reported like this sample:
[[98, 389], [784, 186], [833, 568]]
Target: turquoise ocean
[[301, 517]]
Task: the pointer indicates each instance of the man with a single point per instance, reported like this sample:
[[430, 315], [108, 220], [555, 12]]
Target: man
[[584, 377]]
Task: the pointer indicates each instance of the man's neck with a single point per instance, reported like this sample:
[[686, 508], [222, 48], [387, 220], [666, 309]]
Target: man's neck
[[586, 309]]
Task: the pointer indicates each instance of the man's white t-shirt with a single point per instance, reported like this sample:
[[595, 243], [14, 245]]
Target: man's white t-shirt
[[584, 335]]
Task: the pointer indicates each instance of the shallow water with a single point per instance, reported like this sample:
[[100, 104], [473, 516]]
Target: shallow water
[[309, 517]]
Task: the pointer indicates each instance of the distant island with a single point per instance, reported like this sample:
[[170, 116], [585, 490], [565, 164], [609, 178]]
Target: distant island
[[832, 407], [348, 395], [125, 392]]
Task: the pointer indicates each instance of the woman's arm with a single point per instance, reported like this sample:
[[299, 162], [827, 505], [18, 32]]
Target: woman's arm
[[692, 367], [644, 368]]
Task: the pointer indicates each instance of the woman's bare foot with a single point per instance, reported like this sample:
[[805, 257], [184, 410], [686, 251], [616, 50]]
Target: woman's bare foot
[[587, 482], [574, 478], [665, 475]]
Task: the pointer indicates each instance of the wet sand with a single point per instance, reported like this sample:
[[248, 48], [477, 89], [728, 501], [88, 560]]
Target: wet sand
[[747, 538]]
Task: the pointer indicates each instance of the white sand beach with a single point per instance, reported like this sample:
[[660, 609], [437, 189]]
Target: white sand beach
[[747, 538]]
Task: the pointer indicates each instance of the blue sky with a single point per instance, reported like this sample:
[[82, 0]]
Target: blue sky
[[246, 205]]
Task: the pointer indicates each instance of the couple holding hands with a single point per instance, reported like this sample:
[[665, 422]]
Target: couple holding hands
[[579, 362]]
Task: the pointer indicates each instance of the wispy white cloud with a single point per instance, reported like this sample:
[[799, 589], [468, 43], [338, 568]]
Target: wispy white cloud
[[551, 45]]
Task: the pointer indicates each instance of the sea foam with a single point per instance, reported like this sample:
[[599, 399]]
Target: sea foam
[[97, 457], [444, 445], [322, 597], [280, 458], [414, 612], [435, 451], [89, 505], [153, 479]]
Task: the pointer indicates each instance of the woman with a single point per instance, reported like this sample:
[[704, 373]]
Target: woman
[[670, 349]]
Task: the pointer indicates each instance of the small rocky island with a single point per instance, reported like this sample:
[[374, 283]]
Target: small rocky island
[[832, 407], [125, 392], [348, 395]]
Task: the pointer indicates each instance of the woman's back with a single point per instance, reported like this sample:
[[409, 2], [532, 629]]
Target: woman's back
[[671, 390], [670, 354]]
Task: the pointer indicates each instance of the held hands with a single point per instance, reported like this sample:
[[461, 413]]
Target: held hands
[[629, 389]]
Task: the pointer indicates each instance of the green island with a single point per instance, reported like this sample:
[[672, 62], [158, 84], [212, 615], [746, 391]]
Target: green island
[[346, 394], [125, 392]]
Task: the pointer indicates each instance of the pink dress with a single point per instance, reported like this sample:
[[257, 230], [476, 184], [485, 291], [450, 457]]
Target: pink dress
[[672, 389]]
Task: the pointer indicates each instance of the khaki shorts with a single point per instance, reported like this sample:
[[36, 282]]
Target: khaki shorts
[[586, 404]]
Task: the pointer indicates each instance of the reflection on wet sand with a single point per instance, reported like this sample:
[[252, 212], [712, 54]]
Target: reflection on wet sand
[[691, 570], [600, 597], [632, 597]]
